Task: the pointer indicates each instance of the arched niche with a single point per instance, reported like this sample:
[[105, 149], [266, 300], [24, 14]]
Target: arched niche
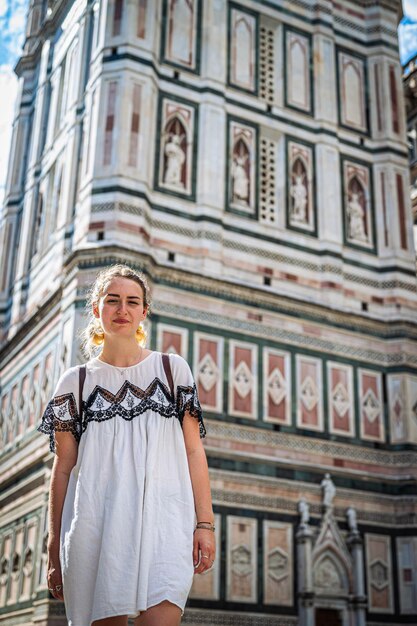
[[175, 153]]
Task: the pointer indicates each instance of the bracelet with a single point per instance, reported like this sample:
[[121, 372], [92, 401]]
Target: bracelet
[[205, 526]]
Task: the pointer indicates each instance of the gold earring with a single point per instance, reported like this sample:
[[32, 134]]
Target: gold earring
[[98, 335], [140, 335]]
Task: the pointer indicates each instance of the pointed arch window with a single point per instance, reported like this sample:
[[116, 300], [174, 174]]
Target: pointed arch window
[[117, 17], [39, 218]]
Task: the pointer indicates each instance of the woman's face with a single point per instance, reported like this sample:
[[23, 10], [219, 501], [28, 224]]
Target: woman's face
[[121, 308]]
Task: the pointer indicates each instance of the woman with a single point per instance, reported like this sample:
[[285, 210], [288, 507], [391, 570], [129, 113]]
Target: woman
[[130, 508]]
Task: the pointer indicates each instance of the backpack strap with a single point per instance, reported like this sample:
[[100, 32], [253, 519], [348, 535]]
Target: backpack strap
[[81, 378], [168, 373]]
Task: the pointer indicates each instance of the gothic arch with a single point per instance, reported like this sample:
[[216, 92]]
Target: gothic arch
[[38, 222], [298, 78], [243, 47], [353, 93], [181, 31], [332, 562]]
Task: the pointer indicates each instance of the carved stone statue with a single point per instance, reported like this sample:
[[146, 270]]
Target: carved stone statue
[[329, 491], [299, 194], [326, 576], [351, 520], [240, 180], [175, 160], [304, 510], [356, 216]]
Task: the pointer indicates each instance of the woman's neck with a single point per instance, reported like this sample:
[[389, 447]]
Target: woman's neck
[[122, 355]]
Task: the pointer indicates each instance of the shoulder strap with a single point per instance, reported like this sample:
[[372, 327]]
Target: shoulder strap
[[168, 373], [81, 373]]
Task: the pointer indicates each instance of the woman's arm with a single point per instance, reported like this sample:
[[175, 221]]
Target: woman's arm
[[66, 449], [204, 542]]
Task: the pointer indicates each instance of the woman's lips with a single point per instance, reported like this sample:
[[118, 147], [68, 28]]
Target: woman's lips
[[121, 322]]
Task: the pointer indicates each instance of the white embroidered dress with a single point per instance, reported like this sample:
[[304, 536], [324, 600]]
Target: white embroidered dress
[[128, 517]]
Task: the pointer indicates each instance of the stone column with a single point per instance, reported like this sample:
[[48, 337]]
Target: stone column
[[359, 602], [305, 591]]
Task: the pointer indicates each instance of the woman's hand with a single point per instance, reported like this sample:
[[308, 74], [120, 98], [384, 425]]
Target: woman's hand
[[204, 550], [55, 577]]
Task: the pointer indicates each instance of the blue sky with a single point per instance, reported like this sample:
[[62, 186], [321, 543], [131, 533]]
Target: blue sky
[[407, 31], [12, 25]]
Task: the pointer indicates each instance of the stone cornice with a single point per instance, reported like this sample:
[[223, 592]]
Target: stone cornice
[[209, 617], [225, 431], [178, 279], [213, 287], [48, 28]]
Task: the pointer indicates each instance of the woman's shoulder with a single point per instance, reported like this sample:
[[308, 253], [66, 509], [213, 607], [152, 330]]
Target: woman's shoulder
[[180, 369], [67, 382], [70, 373], [177, 360]]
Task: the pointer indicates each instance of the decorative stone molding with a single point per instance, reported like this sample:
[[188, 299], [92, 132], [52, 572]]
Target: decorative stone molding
[[306, 444], [195, 617]]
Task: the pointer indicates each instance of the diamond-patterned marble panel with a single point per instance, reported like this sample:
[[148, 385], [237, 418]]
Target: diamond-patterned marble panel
[[276, 386], [309, 392], [172, 339], [371, 405], [208, 367], [243, 379], [241, 566], [379, 573], [340, 399], [278, 563]]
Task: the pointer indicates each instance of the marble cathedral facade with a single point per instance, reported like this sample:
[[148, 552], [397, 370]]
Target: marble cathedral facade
[[410, 93], [251, 158]]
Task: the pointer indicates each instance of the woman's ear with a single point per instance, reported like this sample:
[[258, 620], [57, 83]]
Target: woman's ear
[[95, 310]]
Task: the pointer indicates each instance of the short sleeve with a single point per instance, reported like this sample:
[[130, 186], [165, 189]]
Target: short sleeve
[[61, 413], [186, 391]]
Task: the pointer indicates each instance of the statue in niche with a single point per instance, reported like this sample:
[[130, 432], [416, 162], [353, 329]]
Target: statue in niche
[[329, 491], [240, 180], [240, 172], [175, 159], [356, 215], [352, 519], [298, 193], [304, 511]]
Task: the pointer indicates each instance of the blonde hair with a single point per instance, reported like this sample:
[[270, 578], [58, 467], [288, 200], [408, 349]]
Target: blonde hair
[[93, 335]]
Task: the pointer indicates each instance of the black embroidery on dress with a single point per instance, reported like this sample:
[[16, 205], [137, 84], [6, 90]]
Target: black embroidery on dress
[[60, 415], [129, 402], [187, 400]]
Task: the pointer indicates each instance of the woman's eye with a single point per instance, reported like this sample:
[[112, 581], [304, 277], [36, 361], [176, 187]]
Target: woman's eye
[[111, 301]]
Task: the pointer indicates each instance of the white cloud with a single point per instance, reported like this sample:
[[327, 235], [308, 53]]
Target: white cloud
[[410, 9], [3, 7], [8, 89], [407, 35], [17, 20]]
